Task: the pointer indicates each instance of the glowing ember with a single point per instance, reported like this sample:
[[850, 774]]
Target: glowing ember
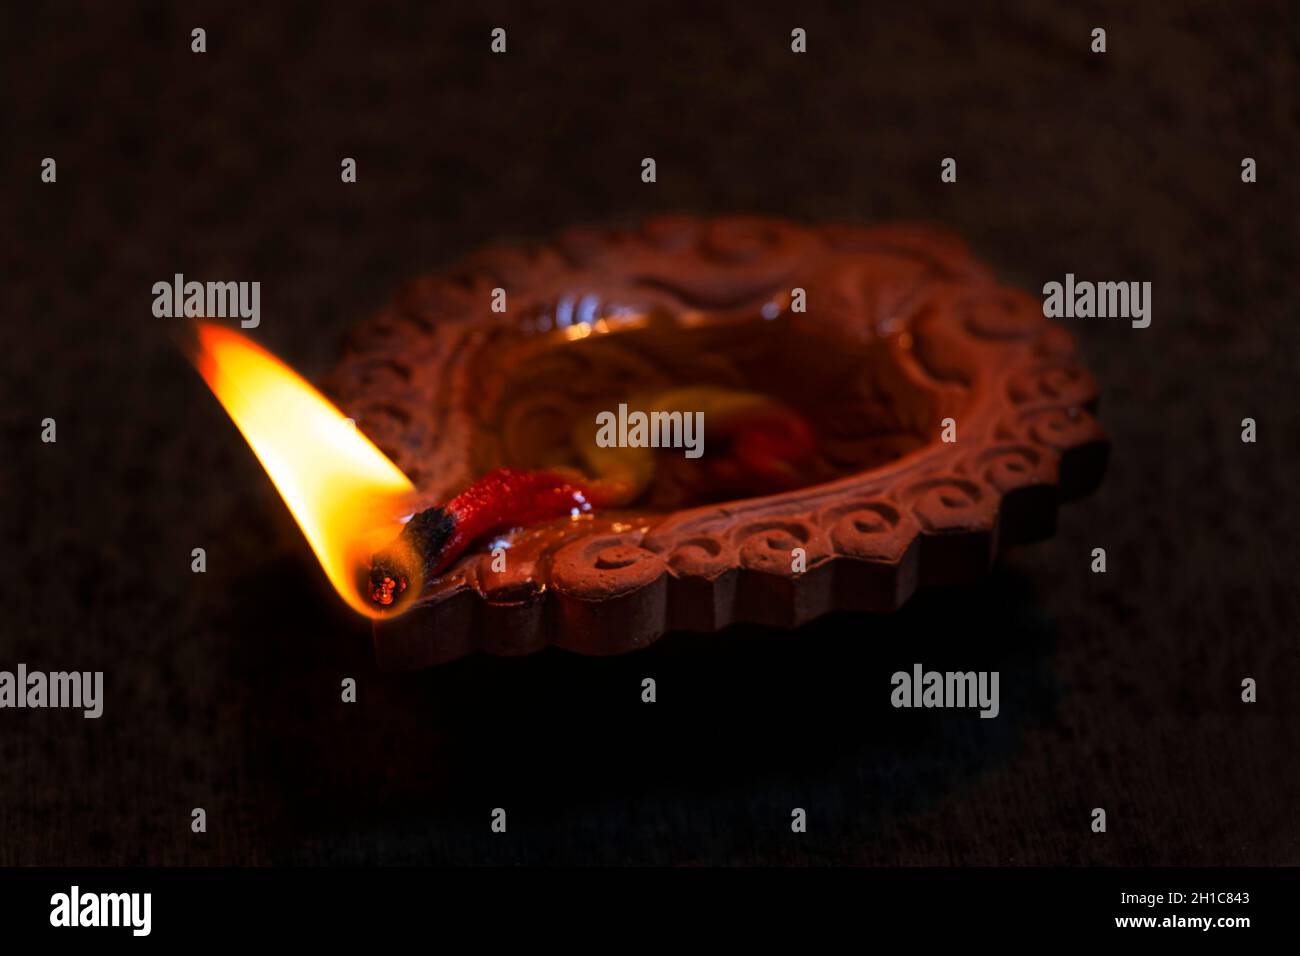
[[385, 591], [346, 496]]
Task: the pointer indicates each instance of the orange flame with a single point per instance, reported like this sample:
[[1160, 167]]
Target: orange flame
[[347, 497]]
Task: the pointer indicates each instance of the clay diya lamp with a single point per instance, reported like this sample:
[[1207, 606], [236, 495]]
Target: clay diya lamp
[[946, 418]]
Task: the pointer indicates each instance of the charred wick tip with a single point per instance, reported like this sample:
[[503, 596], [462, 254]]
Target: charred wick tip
[[414, 556], [385, 585]]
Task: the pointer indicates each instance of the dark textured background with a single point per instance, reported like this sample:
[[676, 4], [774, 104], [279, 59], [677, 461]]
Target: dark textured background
[[1120, 691]]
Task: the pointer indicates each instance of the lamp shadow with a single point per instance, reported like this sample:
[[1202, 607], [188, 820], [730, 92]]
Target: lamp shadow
[[747, 724]]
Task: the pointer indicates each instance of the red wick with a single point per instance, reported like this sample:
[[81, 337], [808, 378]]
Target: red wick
[[500, 500], [506, 498]]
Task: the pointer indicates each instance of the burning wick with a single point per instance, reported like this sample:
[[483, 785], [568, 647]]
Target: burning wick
[[504, 498], [416, 554], [344, 493]]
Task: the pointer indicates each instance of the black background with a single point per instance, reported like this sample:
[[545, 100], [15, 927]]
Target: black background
[[1119, 691]]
